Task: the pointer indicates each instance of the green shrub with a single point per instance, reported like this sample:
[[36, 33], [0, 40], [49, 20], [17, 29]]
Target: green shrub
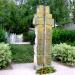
[[25, 36], [29, 36], [2, 35], [32, 37], [64, 53], [61, 36], [5, 55], [71, 43], [46, 70], [22, 53]]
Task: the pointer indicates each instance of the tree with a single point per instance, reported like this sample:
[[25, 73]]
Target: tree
[[74, 11], [60, 11], [3, 11], [18, 18], [15, 18]]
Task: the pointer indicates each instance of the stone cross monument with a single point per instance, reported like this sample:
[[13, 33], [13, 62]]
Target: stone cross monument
[[43, 42]]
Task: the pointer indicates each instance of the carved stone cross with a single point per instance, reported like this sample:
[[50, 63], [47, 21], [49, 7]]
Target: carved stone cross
[[43, 42]]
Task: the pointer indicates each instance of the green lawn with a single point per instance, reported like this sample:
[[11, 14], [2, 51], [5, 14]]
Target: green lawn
[[22, 53]]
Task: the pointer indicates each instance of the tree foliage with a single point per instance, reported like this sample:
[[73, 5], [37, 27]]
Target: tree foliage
[[15, 18], [60, 11], [74, 11], [18, 18]]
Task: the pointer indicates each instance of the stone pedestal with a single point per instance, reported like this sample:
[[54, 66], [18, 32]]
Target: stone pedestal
[[43, 42]]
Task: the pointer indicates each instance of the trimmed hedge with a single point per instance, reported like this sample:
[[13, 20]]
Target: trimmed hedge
[[2, 35], [62, 35], [64, 53], [29, 36], [25, 36], [32, 37]]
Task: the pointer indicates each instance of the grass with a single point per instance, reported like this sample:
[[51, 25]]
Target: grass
[[22, 53]]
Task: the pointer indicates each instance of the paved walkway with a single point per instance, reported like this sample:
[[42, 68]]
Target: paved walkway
[[63, 70], [28, 69], [19, 69], [22, 43]]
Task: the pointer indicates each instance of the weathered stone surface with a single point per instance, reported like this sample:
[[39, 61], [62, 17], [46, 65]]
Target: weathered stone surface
[[44, 44], [40, 60], [40, 47]]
